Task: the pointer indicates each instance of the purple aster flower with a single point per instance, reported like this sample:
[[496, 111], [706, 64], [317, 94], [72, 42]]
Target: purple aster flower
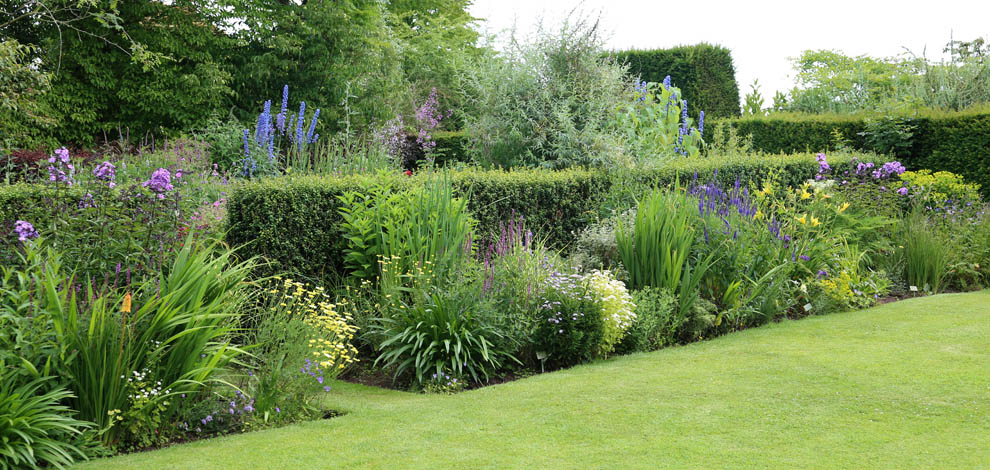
[[326, 388], [319, 379], [902, 191], [25, 231]]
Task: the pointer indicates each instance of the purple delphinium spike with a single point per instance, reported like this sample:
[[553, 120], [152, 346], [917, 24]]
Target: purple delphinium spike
[[312, 127], [280, 119], [666, 82], [299, 124], [701, 124]]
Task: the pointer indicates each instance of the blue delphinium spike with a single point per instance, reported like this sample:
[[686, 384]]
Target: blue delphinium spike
[[299, 123]]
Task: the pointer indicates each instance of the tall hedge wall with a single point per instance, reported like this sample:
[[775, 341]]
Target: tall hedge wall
[[703, 72], [956, 142], [293, 221]]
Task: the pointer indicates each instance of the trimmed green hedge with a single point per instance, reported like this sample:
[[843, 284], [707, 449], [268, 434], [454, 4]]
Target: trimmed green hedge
[[293, 221], [956, 142], [703, 72]]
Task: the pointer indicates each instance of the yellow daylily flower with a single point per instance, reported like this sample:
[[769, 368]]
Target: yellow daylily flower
[[758, 215], [844, 207], [814, 221], [803, 219], [805, 195]]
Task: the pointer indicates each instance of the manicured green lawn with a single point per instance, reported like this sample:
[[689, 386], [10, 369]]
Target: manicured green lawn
[[906, 385]]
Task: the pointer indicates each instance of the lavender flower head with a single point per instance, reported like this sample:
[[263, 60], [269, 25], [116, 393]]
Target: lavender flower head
[[60, 163], [823, 166], [159, 183], [24, 230], [106, 171]]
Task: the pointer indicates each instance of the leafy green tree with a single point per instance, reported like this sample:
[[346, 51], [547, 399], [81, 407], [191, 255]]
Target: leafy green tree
[[438, 43], [141, 66], [829, 81], [22, 114], [339, 56]]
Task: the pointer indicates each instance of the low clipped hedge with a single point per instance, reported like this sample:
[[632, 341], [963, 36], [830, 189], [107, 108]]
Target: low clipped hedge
[[956, 142], [293, 221]]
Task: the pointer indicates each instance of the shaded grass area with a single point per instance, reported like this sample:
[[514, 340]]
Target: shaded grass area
[[904, 385]]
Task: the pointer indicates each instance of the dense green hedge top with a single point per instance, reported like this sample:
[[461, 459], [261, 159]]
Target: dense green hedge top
[[703, 72], [293, 221], [941, 141]]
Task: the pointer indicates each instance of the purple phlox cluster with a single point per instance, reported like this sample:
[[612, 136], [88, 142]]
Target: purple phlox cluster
[[823, 166], [24, 230], [61, 169], [87, 201], [106, 171], [159, 183], [888, 169]]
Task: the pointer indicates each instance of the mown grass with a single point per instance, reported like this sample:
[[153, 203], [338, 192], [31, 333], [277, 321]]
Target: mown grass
[[905, 385]]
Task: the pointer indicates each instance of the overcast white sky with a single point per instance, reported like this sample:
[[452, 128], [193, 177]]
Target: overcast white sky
[[762, 34]]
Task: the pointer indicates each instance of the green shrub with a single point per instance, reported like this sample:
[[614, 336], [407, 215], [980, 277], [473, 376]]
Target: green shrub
[[653, 124], [418, 229], [705, 72], [545, 103], [570, 327], [655, 326]]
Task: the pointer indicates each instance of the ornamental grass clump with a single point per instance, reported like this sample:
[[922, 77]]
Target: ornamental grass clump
[[657, 249]]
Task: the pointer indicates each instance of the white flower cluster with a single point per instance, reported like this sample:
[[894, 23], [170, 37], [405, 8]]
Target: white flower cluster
[[144, 389], [617, 304]]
